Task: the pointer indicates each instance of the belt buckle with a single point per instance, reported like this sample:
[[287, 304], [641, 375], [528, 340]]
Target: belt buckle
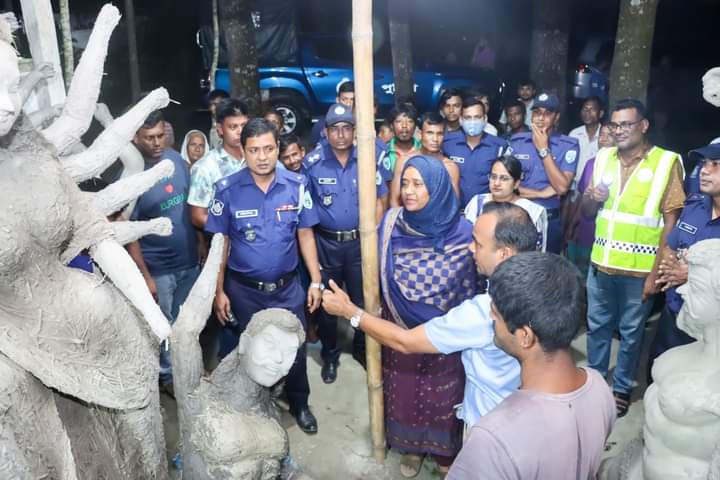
[[270, 287]]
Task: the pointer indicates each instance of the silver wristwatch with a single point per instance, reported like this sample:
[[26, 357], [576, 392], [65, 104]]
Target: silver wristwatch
[[355, 319], [543, 152], [319, 285]]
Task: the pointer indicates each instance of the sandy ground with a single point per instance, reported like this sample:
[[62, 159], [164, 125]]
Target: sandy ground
[[341, 448]]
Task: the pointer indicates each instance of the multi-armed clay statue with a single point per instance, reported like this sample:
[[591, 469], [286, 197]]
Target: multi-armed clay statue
[[681, 433], [95, 341], [227, 424]]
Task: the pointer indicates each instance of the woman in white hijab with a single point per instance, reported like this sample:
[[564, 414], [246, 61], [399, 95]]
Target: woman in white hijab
[[194, 146]]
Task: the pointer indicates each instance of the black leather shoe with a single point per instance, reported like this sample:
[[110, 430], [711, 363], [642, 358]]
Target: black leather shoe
[[328, 372], [306, 420]]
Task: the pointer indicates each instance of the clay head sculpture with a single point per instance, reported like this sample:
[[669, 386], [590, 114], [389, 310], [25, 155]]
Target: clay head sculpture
[[701, 293], [711, 86], [268, 346]]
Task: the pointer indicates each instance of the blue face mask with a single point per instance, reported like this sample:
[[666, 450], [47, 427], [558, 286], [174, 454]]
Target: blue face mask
[[473, 127]]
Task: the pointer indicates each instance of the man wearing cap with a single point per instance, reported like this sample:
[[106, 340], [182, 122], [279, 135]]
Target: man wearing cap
[[266, 215], [699, 220], [549, 162], [332, 171], [637, 194], [473, 150]]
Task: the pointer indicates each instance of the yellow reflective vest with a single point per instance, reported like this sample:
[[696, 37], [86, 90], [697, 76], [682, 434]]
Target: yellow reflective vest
[[629, 224]]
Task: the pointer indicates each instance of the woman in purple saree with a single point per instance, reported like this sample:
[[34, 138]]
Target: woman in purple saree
[[426, 269]]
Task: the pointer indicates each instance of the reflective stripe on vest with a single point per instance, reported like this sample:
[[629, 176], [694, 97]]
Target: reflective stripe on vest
[[630, 223]]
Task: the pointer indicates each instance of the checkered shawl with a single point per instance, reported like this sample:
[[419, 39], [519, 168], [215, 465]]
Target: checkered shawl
[[424, 275], [438, 279]]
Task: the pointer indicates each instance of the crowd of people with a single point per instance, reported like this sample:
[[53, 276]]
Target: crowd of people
[[497, 245]]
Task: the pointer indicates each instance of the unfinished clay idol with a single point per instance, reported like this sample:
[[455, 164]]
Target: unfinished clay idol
[[681, 433], [711, 86], [227, 423], [93, 338]]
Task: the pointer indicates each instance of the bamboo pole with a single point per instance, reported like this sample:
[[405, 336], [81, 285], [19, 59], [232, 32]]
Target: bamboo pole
[[216, 44], [132, 51], [363, 73]]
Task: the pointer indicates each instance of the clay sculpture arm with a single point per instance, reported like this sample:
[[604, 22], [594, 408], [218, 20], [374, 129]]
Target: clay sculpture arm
[[115, 261], [186, 353], [130, 157], [106, 147], [127, 232], [42, 72], [85, 86], [118, 194]]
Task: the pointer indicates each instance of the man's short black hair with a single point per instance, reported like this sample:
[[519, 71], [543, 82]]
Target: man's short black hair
[[471, 101], [230, 107], [402, 109], [515, 104], [153, 119], [630, 103], [543, 291], [217, 93], [514, 228], [593, 98], [346, 87], [257, 127], [527, 82], [287, 140], [448, 94], [432, 118]]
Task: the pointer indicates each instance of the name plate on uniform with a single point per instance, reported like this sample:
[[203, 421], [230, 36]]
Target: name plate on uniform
[[686, 227], [457, 159], [327, 181], [246, 213], [522, 156]]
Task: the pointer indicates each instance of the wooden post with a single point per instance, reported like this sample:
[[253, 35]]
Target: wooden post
[[363, 72], [132, 51], [216, 44], [40, 29], [401, 49]]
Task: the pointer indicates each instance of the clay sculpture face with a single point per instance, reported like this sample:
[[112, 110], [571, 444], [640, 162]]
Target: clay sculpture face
[[268, 354], [711, 86]]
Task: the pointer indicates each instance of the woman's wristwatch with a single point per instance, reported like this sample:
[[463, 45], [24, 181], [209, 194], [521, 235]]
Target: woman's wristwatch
[[319, 285], [355, 319]]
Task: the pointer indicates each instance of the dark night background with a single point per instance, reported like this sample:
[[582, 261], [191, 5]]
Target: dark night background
[[684, 44]]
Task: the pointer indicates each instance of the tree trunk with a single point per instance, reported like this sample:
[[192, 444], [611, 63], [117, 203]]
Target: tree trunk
[[132, 51], [216, 43], [549, 46], [363, 68], [399, 15], [630, 70], [237, 25], [67, 46]]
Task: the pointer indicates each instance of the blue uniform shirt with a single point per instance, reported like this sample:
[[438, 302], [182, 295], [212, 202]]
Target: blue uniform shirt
[[335, 189], [475, 164], [565, 151], [168, 198], [262, 227], [694, 225]]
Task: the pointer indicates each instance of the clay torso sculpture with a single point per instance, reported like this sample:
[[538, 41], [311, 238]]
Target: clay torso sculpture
[[93, 341], [227, 423]]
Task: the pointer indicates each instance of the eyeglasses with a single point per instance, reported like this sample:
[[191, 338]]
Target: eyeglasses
[[624, 126], [503, 178]]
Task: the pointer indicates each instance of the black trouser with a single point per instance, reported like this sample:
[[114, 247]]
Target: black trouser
[[245, 302], [667, 336], [342, 263]]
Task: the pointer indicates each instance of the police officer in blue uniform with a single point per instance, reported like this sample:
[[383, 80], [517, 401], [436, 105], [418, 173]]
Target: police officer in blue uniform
[[549, 162], [332, 172], [264, 212], [473, 150], [699, 220]]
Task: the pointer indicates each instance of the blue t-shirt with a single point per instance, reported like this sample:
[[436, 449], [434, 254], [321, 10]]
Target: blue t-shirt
[[262, 227], [474, 164], [694, 225], [168, 198], [565, 151]]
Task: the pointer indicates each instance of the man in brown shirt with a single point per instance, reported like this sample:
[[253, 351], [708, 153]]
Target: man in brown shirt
[[637, 193]]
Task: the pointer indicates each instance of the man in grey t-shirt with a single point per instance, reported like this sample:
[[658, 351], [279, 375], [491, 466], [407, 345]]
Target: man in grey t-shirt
[[556, 425]]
